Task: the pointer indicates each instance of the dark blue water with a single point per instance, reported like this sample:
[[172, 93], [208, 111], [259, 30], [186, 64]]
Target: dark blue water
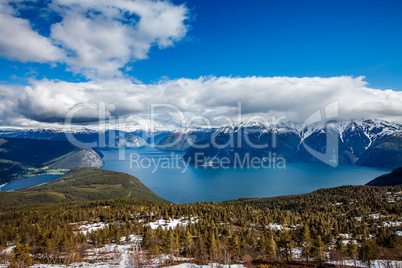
[[34, 180], [174, 181]]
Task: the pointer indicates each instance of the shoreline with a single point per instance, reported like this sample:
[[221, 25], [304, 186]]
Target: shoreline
[[2, 185]]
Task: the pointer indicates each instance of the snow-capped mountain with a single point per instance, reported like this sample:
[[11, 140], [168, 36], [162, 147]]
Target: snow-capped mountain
[[367, 142], [89, 137], [372, 128]]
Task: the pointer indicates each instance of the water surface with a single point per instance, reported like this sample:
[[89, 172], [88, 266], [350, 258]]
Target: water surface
[[173, 180], [34, 180]]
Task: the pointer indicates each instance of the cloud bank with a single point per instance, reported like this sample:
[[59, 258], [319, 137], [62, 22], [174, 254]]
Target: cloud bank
[[48, 101], [96, 38], [99, 38]]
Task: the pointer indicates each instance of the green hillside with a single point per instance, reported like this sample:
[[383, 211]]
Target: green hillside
[[326, 199], [84, 184], [335, 224], [389, 179], [17, 156]]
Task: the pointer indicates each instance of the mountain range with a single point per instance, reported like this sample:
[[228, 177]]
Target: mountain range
[[104, 139], [366, 142]]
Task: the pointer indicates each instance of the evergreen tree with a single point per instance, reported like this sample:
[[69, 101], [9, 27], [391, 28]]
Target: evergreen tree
[[21, 256], [352, 250], [319, 250], [306, 242]]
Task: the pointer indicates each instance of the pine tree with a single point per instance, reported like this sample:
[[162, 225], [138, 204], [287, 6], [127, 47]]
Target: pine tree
[[319, 249], [306, 242], [188, 241], [272, 247], [352, 251], [262, 246], [367, 253], [22, 256], [286, 243], [212, 244]]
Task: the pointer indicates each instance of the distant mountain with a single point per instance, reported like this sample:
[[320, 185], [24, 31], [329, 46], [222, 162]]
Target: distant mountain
[[181, 140], [367, 142], [17, 155], [177, 140], [91, 138], [389, 179], [84, 184]]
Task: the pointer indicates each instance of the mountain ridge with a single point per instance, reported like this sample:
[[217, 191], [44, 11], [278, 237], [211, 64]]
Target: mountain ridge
[[389, 179], [367, 142], [17, 156]]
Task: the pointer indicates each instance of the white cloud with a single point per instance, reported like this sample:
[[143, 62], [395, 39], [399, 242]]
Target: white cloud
[[94, 37], [294, 98], [19, 41]]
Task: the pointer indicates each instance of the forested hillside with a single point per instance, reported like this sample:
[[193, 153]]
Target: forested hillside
[[81, 184], [389, 179], [350, 222]]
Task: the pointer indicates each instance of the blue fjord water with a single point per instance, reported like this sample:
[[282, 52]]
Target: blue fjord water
[[168, 176], [34, 180], [173, 180]]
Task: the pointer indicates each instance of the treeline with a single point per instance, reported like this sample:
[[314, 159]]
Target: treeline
[[350, 222]]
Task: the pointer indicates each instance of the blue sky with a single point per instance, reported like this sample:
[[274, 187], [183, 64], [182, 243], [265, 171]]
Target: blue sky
[[62, 49], [268, 38], [287, 38]]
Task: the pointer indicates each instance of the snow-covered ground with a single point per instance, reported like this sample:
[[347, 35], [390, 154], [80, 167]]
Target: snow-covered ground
[[8, 250], [392, 224], [107, 265], [374, 264], [111, 254], [172, 223], [211, 265], [90, 227], [275, 226], [132, 238]]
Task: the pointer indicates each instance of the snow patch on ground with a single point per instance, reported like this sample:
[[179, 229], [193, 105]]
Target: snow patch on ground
[[172, 223], [275, 226], [90, 227], [132, 238], [192, 265], [374, 264], [392, 223], [8, 250]]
